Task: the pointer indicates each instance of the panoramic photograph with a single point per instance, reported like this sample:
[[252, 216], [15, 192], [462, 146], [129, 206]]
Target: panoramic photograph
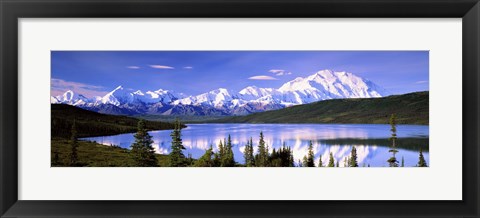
[[239, 109]]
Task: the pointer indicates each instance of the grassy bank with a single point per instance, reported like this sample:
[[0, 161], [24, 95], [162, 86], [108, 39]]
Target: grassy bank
[[88, 124], [92, 154]]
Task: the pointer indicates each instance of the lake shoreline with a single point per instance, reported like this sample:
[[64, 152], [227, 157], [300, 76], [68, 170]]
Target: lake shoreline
[[370, 139]]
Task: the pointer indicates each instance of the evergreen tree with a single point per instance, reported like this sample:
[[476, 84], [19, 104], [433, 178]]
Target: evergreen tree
[[219, 156], [248, 154], [353, 158], [288, 156], [274, 158], [291, 159], [305, 161], [392, 161], [320, 164], [421, 160], [403, 162], [338, 164], [206, 159], [261, 159], [331, 161], [142, 152], [227, 156], [177, 158], [308, 160], [283, 157], [267, 157], [190, 161], [216, 159], [73, 145]]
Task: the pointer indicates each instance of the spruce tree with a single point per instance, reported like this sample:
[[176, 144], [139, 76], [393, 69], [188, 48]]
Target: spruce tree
[[142, 152], [421, 160], [291, 159], [305, 161], [220, 155], [228, 159], [320, 164], [73, 145], [331, 161], [206, 159], [353, 158], [261, 159], [283, 157], [190, 161], [308, 160], [392, 161], [248, 154], [177, 158], [274, 158], [403, 162], [216, 159]]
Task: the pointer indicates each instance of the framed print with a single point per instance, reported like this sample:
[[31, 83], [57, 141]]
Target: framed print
[[225, 108]]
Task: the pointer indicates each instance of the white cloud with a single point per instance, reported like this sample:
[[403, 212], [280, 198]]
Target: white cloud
[[60, 86], [161, 67], [262, 77], [421, 82], [279, 72], [188, 67], [133, 67], [276, 71]]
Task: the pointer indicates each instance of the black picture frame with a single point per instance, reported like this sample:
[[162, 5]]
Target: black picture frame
[[12, 10]]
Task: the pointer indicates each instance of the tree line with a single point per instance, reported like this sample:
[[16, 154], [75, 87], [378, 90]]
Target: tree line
[[90, 124]]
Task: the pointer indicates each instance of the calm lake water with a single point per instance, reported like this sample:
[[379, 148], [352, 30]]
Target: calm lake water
[[370, 140]]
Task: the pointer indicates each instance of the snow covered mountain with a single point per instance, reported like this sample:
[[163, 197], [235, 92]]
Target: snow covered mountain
[[215, 98], [327, 84], [323, 85], [71, 98]]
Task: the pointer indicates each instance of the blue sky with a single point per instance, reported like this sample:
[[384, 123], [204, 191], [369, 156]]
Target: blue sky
[[194, 72]]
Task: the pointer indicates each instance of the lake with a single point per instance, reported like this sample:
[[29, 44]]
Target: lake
[[370, 140]]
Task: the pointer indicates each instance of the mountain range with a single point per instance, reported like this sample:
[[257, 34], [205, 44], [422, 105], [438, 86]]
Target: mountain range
[[323, 85]]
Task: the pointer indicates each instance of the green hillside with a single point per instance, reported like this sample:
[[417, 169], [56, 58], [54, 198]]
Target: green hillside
[[89, 123], [410, 108]]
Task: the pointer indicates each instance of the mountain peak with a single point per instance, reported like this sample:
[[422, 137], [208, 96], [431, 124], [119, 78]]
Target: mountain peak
[[325, 73], [321, 85], [222, 91], [248, 90], [160, 91], [138, 92], [327, 84], [120, 87]]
